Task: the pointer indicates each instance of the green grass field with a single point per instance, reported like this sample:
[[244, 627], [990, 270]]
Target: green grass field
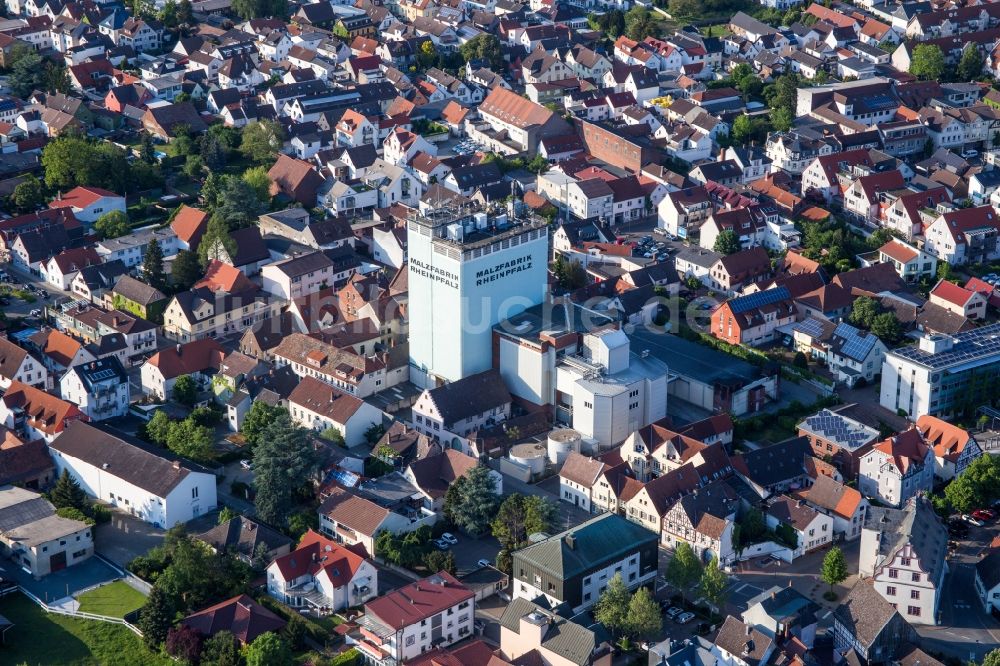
[[40, 639], [115, 599]]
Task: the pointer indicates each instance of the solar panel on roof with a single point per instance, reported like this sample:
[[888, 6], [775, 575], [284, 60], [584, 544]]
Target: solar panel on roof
[[760, 299]]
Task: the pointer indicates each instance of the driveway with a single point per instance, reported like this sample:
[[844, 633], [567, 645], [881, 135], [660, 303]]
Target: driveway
[[125, 538], [61, 584]]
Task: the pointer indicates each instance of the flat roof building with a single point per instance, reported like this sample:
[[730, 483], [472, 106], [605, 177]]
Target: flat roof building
[[942, 374]]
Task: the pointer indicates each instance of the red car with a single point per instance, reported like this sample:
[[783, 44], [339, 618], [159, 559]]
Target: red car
[[983, 514]]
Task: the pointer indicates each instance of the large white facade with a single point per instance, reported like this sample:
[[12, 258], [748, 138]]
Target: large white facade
[[466, 275]]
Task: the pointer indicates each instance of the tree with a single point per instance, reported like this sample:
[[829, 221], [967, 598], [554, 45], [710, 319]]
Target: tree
[[927, 62], [477, 502], [283, 460], [741, 130], [640, 24], [221, 650], [782, 119], [970, 66], [152, 266], [155, 618], [611, 23], [440, 560], [67, 493], [612, 608], [834, 569], [427, 56], [800, 360], [28, 196], [644, 619], [193, 167], [238, 204], [258, 180], [978, 485], [484, 47], [216, 242], [712, 585], [187, 438], [158, 428], [727, 242], [27, 74], [227, 514], [185, 390], [863, 312], [992, 658], [262, 140], [113, 224], [520, 516], [184, 643], [213, 152], [684, 568], [887, 327], [185, 270], [943, 270], [184, 12], [258, 418], [268, 649]]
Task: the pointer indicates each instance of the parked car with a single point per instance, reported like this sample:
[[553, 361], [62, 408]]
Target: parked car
[[441, 544], [484, 563], [684, 618], [983, 514], [448, 537], [35, 313], [246, 464], [674, 611], [972, 521]]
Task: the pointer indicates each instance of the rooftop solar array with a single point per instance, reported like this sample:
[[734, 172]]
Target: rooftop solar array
[[760, 299], [812, 327], [976, 345], [855, 345], [847, 433], [102, 375]]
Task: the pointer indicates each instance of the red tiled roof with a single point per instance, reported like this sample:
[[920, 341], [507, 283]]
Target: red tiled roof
[[318, 556], [188, 358], [419, 601], [241, 616], [220, 276], [44, 411], [899, 251], [952, 293], [189, 224], [81, 197]]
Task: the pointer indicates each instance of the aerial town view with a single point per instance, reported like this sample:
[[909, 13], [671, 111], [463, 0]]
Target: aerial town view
[[499, 333]]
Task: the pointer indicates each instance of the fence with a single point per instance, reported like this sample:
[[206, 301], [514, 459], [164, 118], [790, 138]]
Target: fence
[[80, 614]]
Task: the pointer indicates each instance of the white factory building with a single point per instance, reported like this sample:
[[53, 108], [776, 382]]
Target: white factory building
[[585, 372], [467, 272]]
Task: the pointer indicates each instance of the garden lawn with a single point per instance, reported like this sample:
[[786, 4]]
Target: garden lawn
[[115, 599], [41, 639]]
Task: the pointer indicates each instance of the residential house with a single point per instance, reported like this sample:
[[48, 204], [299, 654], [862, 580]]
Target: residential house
[[897, 469], [240, 616], [812, 529], [35, 414], [967, 303], [321, 573], [99, 388], [575, 566], [246, 539], [89, 203], [399, 626], [754, 319], [903, 552], [954, 448], [199, 359], [840, 438], [868, 627], [528, 629], [321, 407], [449, 413], [18, 365]]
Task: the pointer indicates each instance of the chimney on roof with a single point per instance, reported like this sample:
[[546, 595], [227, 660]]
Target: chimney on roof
[[749, 629], [177, 464]]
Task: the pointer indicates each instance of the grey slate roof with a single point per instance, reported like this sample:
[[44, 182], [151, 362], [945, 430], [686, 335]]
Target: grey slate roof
[[917, 525], [472, 395], [604, 538], [864, 613], [563, 637]]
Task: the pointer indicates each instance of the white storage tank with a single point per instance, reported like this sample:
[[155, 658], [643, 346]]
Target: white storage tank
[[561, 443], [532, 455]]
